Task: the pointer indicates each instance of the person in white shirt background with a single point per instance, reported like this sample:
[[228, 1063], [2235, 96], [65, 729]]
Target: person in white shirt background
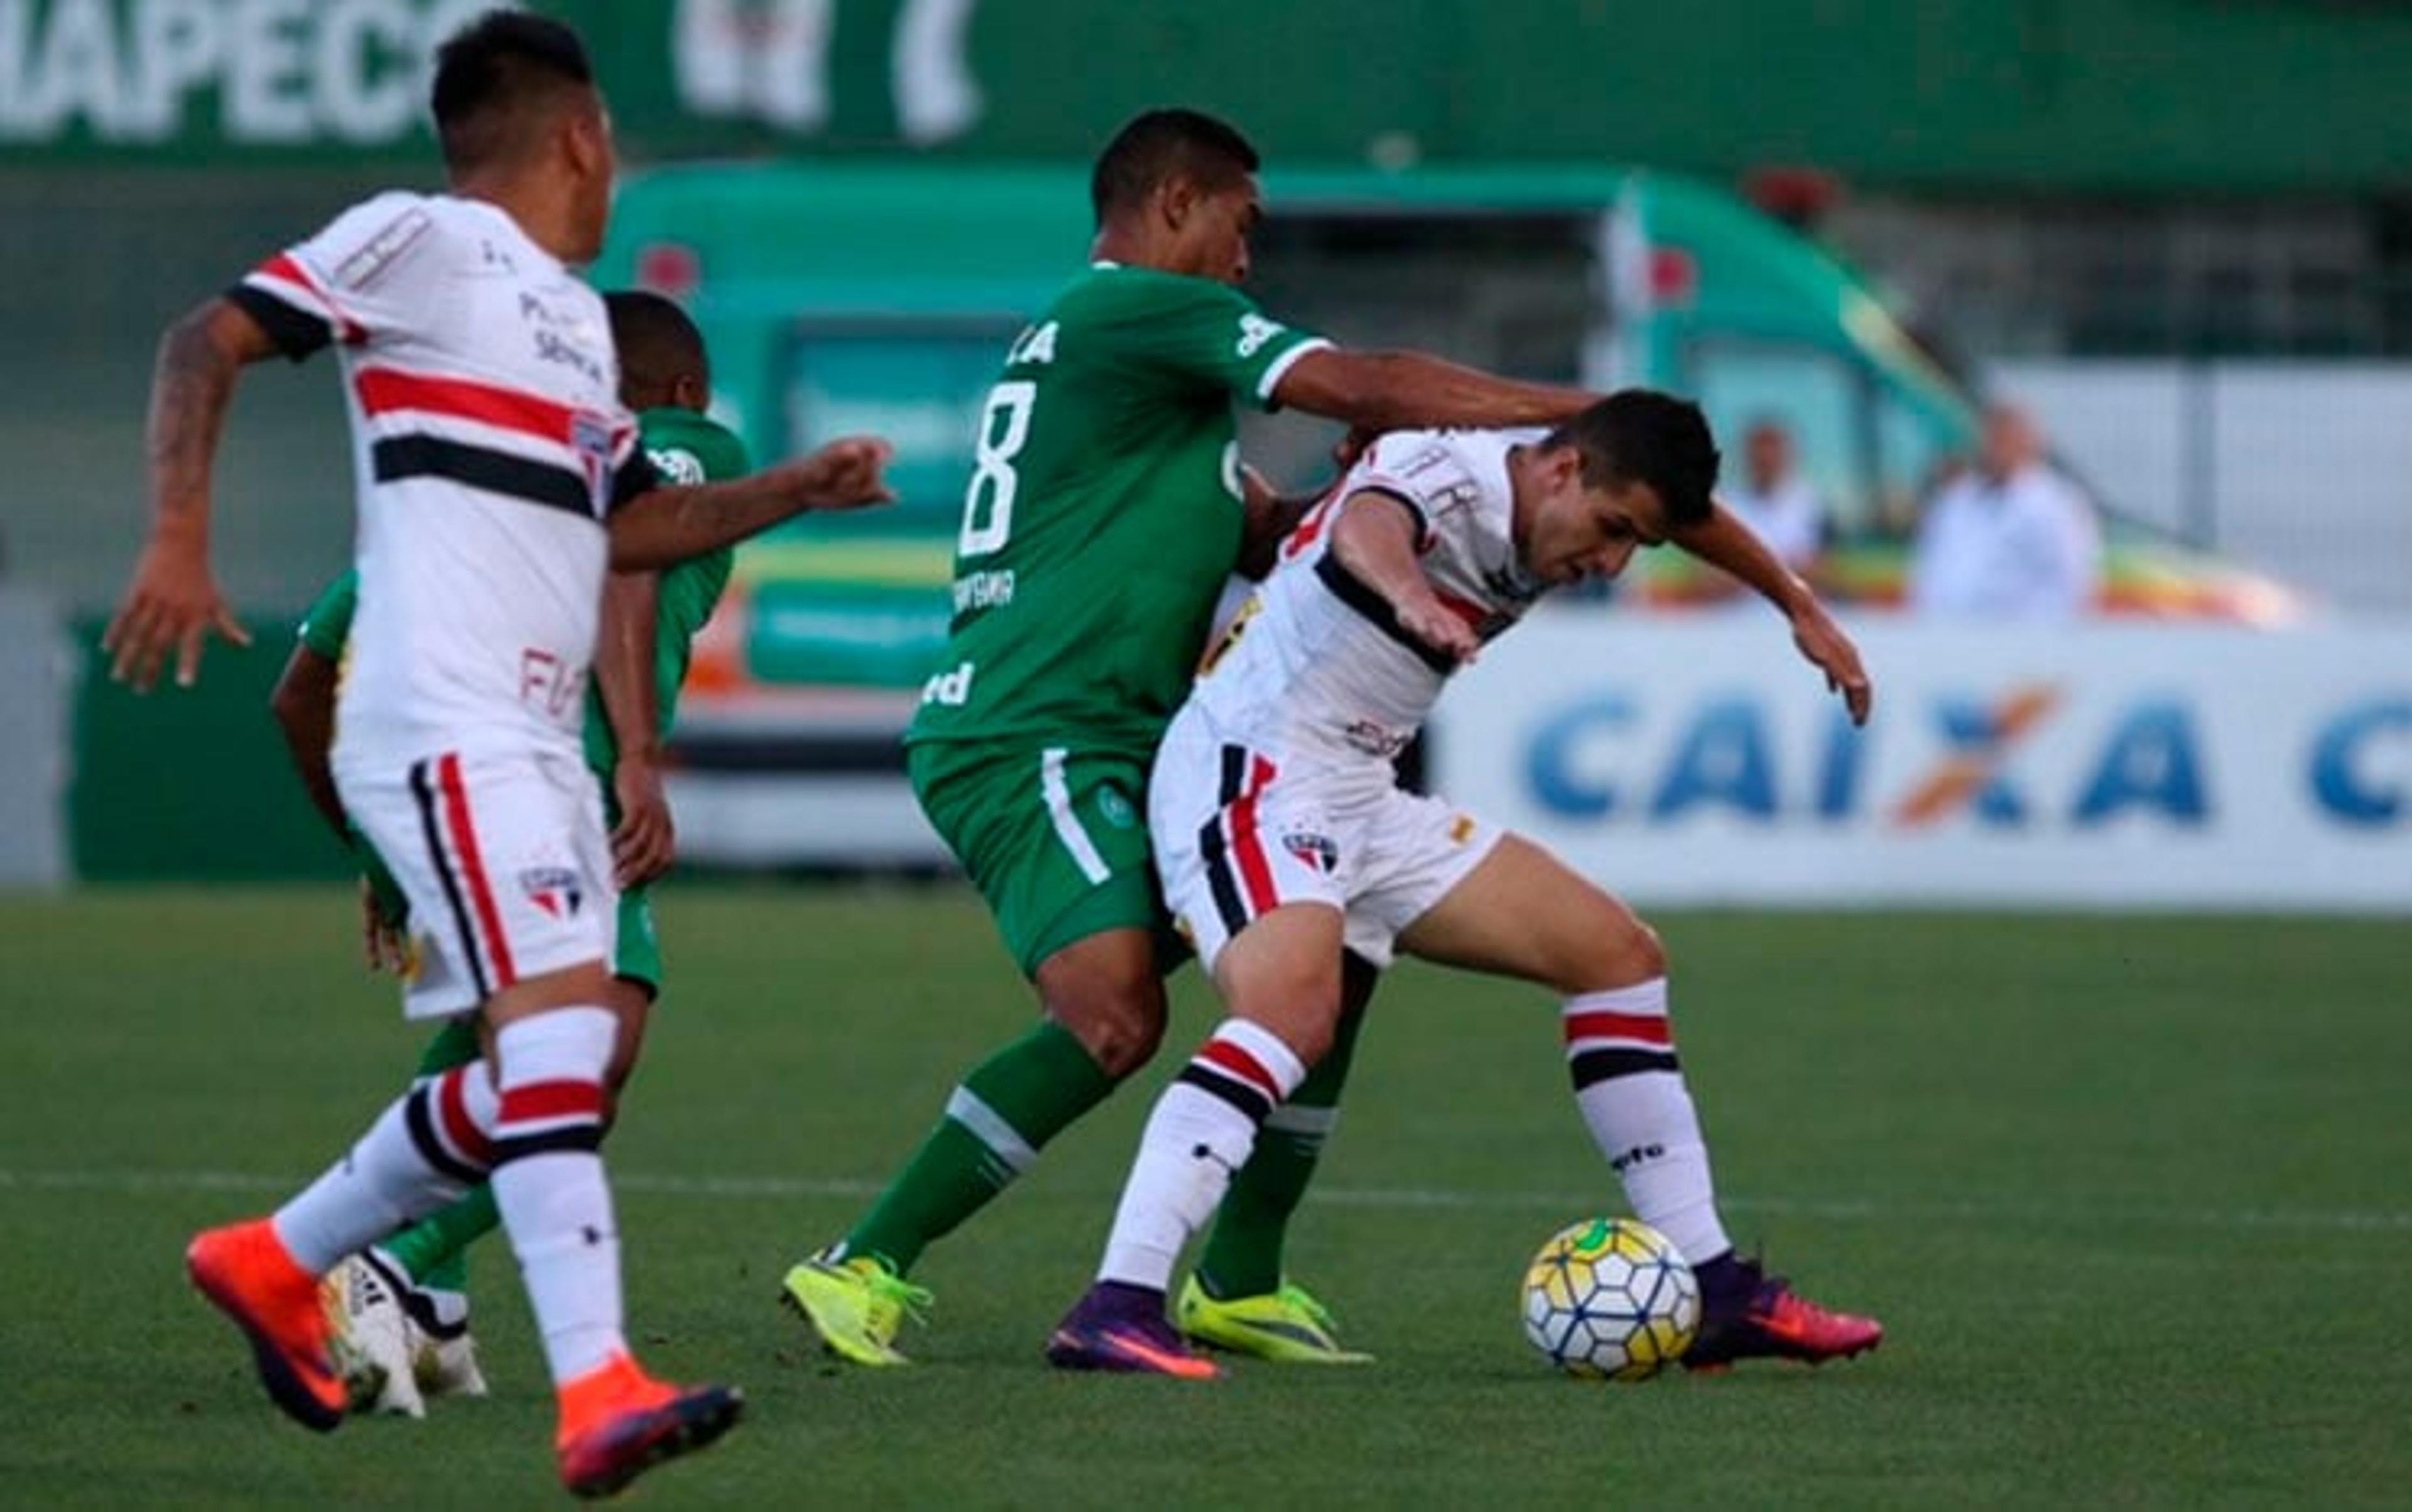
[[2010, 539], [1775, 500]]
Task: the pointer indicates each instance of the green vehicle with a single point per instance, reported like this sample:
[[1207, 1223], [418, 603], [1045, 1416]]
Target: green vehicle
[[855, 297]]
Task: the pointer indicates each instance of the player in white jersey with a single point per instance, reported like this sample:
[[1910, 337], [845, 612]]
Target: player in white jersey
[[1285, 841], [498, 477]]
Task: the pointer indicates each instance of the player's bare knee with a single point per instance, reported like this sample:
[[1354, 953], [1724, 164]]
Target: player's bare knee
[[1119, 1023], [1619, 951], [1299, 1006]]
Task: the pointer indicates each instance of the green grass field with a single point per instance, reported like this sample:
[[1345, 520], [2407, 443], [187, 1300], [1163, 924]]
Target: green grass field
[[2131, 1195]]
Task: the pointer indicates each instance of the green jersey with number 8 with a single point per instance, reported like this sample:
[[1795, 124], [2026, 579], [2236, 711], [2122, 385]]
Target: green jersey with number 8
[[1104, 511]]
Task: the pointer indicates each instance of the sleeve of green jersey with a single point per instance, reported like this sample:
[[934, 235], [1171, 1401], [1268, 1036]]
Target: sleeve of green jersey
[[689, 449], [1215, 333], [329, 623]]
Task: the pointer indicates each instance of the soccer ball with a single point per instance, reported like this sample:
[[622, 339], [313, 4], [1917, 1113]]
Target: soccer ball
[[1609, 1298]]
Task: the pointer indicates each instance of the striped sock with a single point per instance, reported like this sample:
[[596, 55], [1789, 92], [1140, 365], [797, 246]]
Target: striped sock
[[1201, 1131], [1242, 1253], [1630, 1087], [425, 1150], [548, 1182]]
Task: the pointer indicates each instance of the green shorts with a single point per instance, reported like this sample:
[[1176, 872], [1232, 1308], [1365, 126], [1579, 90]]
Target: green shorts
[[638, 956], [1055, 839]]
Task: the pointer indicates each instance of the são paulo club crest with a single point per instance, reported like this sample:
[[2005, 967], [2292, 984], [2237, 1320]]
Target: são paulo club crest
[[1315, 850], [556, 889]]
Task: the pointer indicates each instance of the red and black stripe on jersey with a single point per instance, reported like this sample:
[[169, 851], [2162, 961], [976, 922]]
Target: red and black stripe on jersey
[[1368, 602], [289, 304], [387, 393], [1602, 1045]]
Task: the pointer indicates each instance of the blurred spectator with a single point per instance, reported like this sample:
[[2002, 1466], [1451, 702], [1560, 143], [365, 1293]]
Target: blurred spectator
[[2008, 540], [1775, 502]]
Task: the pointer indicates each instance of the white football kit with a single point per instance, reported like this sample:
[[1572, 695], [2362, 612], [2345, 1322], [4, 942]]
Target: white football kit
[[488, 443], [1274, 783]]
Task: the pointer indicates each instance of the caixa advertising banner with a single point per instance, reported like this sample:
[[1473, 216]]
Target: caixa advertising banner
[[1699, 761]]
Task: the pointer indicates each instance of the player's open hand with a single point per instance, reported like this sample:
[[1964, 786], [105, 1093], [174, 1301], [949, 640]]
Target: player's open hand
[[1427, 620], [173, 603], [848, 474], [1832, 653], [644, 843]]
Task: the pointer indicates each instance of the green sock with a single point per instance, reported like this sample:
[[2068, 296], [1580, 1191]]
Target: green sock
[[431, 1250], [1243, 1256], [995, 1124]]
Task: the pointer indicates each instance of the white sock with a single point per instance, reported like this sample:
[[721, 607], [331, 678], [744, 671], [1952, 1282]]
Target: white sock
[[550, 1186], [1630, 1087], [426, 1149], [1201, 1131]]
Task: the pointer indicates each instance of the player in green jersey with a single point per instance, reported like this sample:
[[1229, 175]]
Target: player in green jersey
[[1106, 509], [399, 1309]]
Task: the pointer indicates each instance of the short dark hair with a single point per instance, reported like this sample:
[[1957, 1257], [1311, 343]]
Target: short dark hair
[[1640, 435], [658, 343], [1157, 146], [489, 72]]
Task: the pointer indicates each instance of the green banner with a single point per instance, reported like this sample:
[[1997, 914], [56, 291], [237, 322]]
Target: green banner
[[2149, 94]]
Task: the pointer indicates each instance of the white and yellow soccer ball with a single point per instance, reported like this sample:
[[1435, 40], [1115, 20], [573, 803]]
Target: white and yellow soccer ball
[[1610, 1298]]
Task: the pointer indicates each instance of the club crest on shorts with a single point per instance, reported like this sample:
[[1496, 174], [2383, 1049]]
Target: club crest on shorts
[[1315, 850], [556, 889]]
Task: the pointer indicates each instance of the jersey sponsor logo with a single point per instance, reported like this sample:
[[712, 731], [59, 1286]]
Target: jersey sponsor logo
[[1376, 739], [1254, 331], [953, 689], [376, 255], [556, 889], [566, 337], [549, 683], [983, 590]]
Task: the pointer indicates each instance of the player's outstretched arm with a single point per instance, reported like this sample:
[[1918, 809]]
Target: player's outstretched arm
[[1724, 541], [1403, 391], [1374, 538], [668, 526], [173, 603]]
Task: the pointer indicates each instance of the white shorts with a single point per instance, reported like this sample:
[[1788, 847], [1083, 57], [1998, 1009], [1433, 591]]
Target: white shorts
[[504, 859], [1236, 835]]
